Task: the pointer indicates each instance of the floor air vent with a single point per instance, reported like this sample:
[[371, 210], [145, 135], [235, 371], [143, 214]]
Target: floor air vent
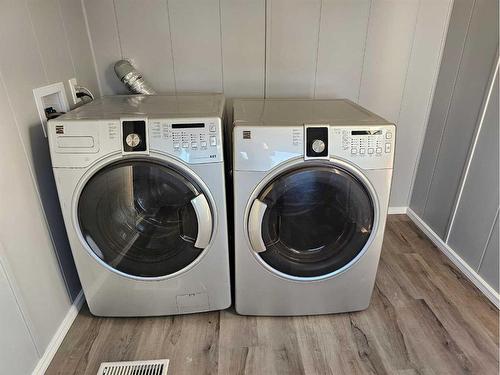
[[158, 367]]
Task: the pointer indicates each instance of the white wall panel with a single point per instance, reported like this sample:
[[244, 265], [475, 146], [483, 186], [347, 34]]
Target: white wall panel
[[388, 48], [430, 32], [448, 71], [25, 238], [79, 43], [291, 48], [478, 199], [243, 47], [341, 48], [145, 36], [52, 40], [18, 354], [106, 44], [489, 265], [478, 58], [196, 43]]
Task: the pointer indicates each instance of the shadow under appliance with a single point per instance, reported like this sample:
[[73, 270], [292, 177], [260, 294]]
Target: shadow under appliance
[[311, 190], [141, 185]]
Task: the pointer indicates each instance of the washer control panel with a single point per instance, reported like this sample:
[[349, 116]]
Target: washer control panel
[[369, 146], [192, 140]]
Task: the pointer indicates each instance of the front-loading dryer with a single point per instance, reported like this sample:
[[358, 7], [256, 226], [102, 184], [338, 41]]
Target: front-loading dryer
[[141, 186], [311, 190]]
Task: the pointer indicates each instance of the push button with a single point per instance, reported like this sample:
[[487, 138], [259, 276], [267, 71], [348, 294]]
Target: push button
[[387, 147], [362, 150], [379, 150], [177, 145], [212, 127], [354, 151], [185, 145], [370, 150], [213, 140], [203, 144], [388, 135], [194, 145]]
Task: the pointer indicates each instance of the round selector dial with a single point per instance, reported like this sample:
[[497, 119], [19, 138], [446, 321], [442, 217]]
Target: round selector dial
[[133, 139], [318, 146]]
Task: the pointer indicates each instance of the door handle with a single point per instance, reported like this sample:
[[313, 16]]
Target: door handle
[[204, 217], [255, 225]]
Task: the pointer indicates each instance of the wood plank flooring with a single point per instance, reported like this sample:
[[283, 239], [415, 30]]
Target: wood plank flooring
[[425, 318]]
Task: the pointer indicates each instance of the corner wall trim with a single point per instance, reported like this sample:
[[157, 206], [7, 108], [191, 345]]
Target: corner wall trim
[[58, 337], [397, 210], [467, 270]]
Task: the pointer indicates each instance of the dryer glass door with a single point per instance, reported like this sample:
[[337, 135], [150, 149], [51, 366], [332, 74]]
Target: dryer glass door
[[144, 218], [311, 221]]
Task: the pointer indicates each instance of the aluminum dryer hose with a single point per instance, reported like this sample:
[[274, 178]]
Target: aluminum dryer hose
[[132, 78]]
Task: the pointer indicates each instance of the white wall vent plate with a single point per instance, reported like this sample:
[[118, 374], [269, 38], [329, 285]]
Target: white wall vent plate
[[156, 367]]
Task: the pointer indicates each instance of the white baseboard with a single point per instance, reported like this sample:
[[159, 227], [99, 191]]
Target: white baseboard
[[467, 270], [397, 210], [58, 337]]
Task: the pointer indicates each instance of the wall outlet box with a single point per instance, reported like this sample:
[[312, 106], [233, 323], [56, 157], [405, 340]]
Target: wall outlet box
[[52, 97], [72, 83]]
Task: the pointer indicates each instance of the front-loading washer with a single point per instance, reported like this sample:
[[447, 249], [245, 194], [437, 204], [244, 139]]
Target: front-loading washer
[[311, 189], [142, 188]]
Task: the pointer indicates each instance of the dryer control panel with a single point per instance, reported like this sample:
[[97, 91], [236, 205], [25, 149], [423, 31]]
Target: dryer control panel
[[371, 147]]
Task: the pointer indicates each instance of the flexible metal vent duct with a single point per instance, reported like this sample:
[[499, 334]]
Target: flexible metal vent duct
[[132, 78]]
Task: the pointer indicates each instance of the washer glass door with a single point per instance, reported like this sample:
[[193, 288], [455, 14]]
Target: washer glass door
[[311, 221], [144, 218]]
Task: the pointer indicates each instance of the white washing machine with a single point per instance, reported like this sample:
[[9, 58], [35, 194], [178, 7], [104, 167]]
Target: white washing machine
[[311, 191], [141, 185]]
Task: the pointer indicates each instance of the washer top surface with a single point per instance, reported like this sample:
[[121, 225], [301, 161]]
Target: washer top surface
[[286, 112], [153, 106]]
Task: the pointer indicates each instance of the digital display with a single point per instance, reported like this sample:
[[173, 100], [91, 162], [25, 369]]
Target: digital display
[[192, 125], [366, 132]]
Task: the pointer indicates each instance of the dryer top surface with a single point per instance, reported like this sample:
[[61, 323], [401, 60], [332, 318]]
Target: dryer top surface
[[289, 112]]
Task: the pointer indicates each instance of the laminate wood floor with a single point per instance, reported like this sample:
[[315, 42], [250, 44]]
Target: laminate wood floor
[[425, 318]]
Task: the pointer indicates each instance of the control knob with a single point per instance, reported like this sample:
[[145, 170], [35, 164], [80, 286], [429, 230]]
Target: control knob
[[133, 139], [318, 146]]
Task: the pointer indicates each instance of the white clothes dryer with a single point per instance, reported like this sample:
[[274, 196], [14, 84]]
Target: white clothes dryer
[[311, 191]]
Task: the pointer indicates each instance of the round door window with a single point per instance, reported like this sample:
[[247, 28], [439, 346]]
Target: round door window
[[138, 217], [316, 220]]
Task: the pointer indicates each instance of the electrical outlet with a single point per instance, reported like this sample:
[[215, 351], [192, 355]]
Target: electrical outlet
[[72, 83], [50, 99]]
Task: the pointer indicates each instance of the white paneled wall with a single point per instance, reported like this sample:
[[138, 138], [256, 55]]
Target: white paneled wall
[[196, 45], [421, 76], [387, 54], [41, 42], [291, 47], [243, 47], [106, 44], [16, 345], [383, 54], [341, 48], [151, 47]]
